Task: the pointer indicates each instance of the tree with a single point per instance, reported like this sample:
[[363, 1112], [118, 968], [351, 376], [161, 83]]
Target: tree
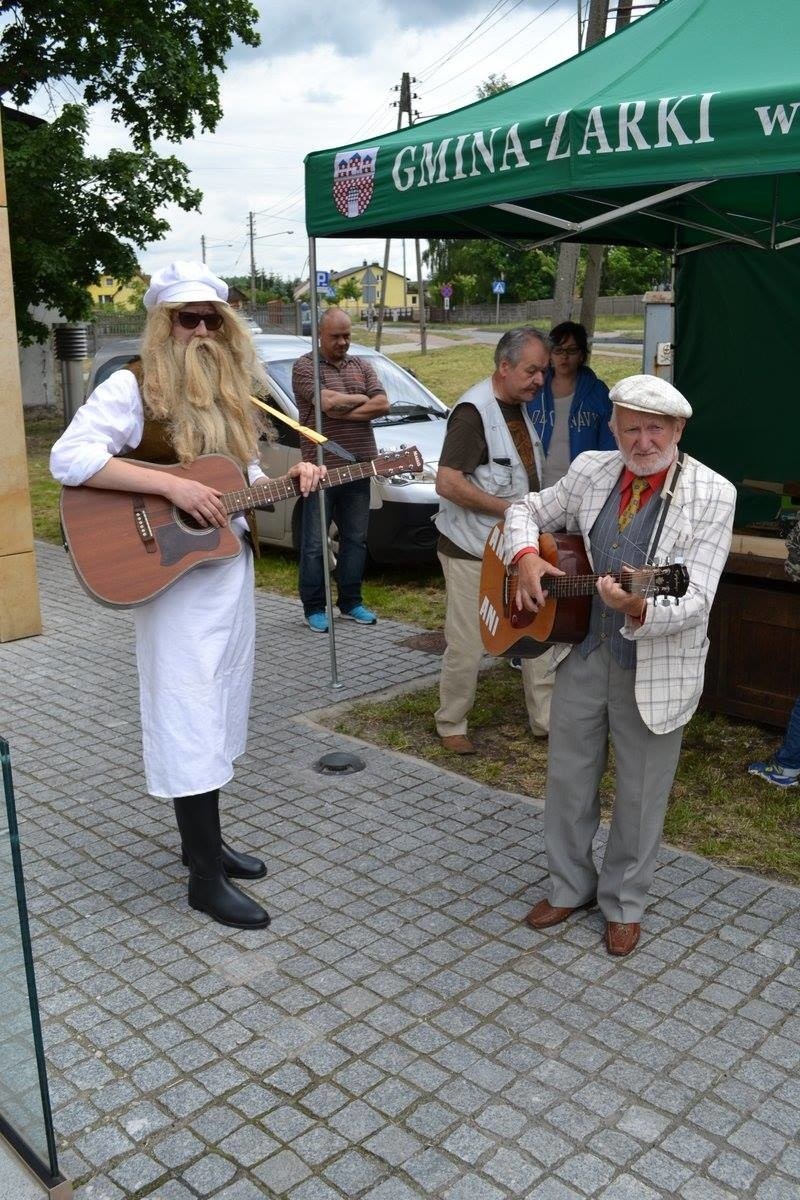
[[528, 273], [349, 290], [73, 216], [631, 270], [493, 85]]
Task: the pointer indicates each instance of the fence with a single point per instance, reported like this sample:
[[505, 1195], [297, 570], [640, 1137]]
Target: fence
[[533, 311]]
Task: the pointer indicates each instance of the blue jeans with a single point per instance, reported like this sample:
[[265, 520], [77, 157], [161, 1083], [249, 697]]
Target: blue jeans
[[788, 753], [347, 505]]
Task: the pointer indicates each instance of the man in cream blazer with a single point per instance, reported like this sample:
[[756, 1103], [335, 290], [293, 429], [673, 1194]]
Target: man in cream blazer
[[638, 675]]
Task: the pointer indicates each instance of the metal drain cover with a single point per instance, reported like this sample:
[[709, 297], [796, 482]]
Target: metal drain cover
[[339, 762]]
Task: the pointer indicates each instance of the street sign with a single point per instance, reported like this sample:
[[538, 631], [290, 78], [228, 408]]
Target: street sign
[[446, 302], [323, 280], [330, 292], [499, 287], [447, 290]]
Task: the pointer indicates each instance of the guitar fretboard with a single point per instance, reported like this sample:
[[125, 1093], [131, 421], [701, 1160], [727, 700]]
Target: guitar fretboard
[[641, 583], [268, 491]]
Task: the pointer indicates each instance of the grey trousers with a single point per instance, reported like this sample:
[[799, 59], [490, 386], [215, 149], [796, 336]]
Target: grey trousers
[[592, 701]]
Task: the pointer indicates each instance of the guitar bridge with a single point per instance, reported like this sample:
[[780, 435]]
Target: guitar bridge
[[142, 522]]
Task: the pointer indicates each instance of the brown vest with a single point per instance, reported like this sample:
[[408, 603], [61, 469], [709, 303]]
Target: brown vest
[[156, 447]]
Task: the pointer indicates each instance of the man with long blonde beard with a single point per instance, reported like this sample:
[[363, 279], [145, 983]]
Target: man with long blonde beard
[[637, 676], [188, 395]]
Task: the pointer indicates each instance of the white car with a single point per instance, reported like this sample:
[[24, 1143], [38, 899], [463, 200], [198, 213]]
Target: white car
[[402, 508]]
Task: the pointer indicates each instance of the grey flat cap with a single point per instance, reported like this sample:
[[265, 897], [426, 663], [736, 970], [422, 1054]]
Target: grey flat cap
[[649, 393]]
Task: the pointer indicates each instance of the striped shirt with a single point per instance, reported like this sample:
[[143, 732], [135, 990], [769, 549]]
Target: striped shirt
[[353, 376]]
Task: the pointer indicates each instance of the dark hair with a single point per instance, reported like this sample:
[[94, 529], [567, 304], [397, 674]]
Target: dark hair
[[566, 329]]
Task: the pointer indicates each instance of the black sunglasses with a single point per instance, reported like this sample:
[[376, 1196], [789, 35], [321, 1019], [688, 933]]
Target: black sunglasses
[[190, 320]]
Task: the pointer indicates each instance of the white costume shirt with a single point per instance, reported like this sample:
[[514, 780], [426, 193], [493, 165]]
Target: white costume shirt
[[195, 643]]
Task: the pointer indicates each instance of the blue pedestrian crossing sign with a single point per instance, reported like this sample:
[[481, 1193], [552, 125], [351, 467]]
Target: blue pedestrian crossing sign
[[323, 280], [499, 287]]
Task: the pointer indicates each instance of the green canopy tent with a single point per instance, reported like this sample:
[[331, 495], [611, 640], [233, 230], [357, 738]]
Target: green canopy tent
[[682, 128], [681, 131]]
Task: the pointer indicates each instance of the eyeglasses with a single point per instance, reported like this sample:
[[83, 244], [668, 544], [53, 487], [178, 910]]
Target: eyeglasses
[[190, 320], [569, 350]]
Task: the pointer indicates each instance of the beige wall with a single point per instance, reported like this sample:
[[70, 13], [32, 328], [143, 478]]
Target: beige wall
[[19, 594]]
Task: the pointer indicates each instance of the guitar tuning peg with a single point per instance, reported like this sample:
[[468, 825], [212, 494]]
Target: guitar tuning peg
[[665, 601]]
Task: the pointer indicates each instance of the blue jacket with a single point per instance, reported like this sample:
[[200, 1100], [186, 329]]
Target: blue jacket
[[589, 414]]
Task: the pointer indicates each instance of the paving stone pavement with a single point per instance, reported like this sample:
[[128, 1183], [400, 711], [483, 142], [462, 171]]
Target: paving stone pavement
[[397, 1033]]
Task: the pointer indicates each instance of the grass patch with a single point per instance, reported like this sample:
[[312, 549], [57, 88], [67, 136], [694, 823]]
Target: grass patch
[[450, 370], [42, 428], [716, 809], [389, 337], [414, 595]]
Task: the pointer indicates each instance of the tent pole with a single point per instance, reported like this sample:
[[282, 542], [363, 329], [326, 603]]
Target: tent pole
[[382, 303], [423, 337], [326, 566]]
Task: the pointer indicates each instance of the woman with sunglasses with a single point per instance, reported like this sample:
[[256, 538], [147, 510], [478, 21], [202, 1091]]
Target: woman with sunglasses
[[188, 395]]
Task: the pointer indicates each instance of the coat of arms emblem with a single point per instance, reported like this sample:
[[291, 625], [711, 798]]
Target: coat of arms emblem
[[354, 179]]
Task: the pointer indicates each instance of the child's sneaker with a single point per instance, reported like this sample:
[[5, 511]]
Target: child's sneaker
[[784, 777]]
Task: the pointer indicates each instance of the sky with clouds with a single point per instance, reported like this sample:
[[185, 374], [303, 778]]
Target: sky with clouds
[[323, 76]]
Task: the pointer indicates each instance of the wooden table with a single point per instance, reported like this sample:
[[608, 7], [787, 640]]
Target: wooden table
[[753, 667]]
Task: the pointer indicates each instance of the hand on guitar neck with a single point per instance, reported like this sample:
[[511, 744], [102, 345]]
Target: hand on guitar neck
[[532, 587], [531, 590]]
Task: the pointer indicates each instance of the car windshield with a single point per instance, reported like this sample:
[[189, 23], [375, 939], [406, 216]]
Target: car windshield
[[408, 400]]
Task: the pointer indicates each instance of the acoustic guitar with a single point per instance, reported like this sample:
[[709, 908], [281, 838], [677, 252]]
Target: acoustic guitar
[[127, 547], [516, 632]]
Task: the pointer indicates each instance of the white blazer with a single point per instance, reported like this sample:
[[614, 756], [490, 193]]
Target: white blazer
[[671, 641]]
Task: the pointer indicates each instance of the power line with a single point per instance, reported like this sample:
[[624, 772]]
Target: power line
[[463, 42], [486, 54]]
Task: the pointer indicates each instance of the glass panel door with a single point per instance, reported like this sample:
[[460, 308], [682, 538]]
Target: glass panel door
[[25, 1118]]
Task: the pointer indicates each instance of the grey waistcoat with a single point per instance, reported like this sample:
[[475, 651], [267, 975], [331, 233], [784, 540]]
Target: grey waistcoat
[[611, 550]]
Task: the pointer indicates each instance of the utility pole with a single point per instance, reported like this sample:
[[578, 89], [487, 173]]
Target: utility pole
[[404, 106], [203, 245], [594, 261], [569, 252], [252, 229]]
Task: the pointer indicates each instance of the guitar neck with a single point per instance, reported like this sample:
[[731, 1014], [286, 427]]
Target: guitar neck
[[268, 491], [636, 582]]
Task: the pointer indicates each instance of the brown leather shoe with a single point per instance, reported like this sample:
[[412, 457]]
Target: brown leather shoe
[[457, 743], [543, 914], [622, 937]]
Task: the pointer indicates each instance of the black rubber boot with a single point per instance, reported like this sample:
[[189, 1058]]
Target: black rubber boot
[[209, 888], [235, 864]]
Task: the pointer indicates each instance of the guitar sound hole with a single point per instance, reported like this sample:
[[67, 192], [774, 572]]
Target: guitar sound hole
[[188, 522]]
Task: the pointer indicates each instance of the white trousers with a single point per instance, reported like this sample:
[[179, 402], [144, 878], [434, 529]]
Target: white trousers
[[464, 652]]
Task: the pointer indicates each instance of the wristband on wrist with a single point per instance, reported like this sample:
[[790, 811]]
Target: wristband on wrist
[[521, 553]]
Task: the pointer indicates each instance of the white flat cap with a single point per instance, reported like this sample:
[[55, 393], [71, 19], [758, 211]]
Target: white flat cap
[[649, 393], [185, 283]]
